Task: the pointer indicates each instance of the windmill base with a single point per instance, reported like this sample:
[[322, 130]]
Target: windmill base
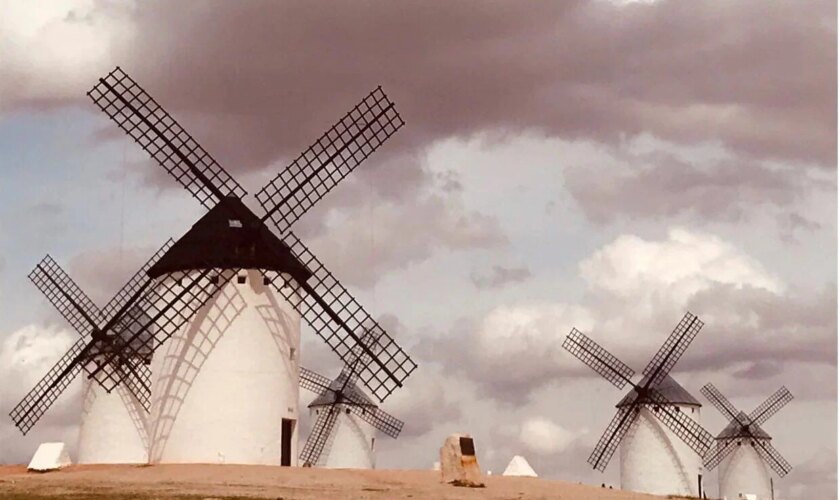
[[654, 460], [226, 385], [744, 471], [112, 428]]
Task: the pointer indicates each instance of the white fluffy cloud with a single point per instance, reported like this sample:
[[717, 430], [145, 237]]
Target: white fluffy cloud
[[682, 264], [513, 350], [541, 435], [637, 291], [71, 39], [28, 353]]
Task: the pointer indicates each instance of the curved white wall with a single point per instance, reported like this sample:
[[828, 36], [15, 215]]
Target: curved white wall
[[743, 471], [223, 383], [351, 444], [654, 460], [112, 428]]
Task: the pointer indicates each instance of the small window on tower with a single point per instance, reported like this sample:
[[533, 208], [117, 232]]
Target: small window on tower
[[240, 279], [235, 223], [292, 353]]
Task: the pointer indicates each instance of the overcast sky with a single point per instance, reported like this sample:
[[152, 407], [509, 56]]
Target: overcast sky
[[600, 164]]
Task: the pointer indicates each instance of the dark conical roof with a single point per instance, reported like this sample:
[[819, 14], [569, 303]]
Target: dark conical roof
[[668, 387], [351, 392], [229, 236], [735, 430]]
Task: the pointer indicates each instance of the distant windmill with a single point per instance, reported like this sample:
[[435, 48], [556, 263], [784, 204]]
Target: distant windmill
[[112, 427], [343, 434], [742, 447], [656, 424], [230, 374]]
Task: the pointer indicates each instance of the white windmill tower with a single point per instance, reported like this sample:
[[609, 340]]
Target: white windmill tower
[[346, 421], [222, 316], [743, 447], [113, 423], [657, 422]]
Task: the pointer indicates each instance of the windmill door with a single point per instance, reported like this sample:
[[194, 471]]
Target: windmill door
[[286, 442]]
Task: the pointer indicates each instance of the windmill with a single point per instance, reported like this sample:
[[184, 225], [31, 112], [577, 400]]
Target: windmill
[[656, 423], [742, 448], [345, 423], [232, 383], [112, 426], [345, 417]]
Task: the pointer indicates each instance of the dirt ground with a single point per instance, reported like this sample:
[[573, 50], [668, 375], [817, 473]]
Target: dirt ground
[[240, 481]]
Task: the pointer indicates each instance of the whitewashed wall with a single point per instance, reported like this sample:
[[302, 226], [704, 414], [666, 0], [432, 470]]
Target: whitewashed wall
[[351, 444], [743, 471], [112, 429], [654, 460], [223, 384]]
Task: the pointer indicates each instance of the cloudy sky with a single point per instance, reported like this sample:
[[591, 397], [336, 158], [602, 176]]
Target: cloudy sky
[[600, 164]]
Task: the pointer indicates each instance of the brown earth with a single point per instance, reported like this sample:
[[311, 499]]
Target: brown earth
[[241, 481]]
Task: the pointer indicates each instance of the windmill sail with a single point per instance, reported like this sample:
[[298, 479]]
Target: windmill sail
[[656, 392], [335, 397], [323, 302], [746, 429]]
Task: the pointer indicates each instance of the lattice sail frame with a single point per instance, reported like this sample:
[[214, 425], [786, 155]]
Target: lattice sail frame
[[619, 374], [320, 434], [772, 405], [329, 160], [612, 436], [323, 295], [313, 381], [685, 427], [598, 358], [762, 446], [137, 282], [673, 348], [142, 118], [349, 401], [130, 368], [757, 417], [721, 450], [41, 397], [376, 417], [322, 166], [83, 314], [720, 402], [52, 280], [165, 308], [772, 456]]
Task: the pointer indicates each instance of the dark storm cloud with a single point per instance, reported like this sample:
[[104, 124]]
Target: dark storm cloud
[[259, 80], [772, 329], [749, 333], [662, 185], [256, 82]]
